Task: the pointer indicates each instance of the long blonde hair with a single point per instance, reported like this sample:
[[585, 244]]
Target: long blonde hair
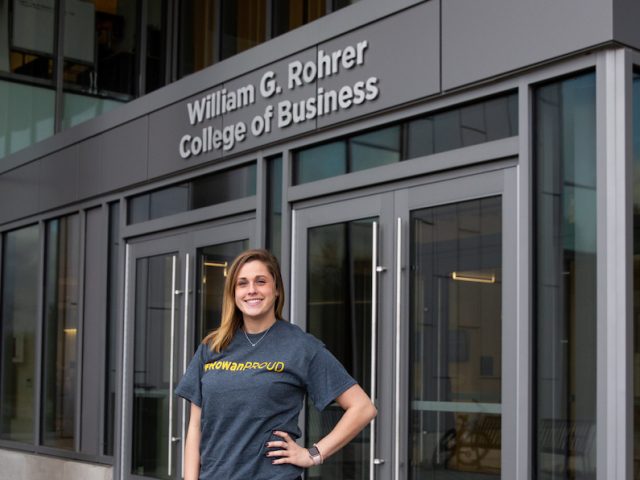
[[231, 320]]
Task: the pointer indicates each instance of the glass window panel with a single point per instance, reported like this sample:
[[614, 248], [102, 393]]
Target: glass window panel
[[20, 289], [152, 359], [482, 121], [213, 263], [473, 124], [636, 269], [565, 278], [274, 205], [61, 332], [243, 25], [447, 131], [26, 38], [338, 4], [290, 14], [201, 192], [80, 108], [156, 58], [112, 322], [318, 162], [100, 41], [198, 36], [26, 116], [420, 137], [456, 341], [373, 149], [339, 314]]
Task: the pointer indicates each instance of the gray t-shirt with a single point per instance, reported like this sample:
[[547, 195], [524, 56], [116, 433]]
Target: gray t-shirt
[[246, 393]]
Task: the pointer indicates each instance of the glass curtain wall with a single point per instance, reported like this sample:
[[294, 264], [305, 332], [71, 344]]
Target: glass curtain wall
[[20, 262], [26, 115], [290, 14], [60, 355], [565, 279], [27, 38]]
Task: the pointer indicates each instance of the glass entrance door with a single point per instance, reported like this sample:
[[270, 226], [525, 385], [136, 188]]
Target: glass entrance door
[[174, 292], [407, 289]]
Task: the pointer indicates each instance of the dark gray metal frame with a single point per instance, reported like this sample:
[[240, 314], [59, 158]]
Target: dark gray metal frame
[[388, 204], [184, 243]]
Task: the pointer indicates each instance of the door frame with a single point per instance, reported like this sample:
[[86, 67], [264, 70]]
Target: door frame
[[393, 205], [184, 242]]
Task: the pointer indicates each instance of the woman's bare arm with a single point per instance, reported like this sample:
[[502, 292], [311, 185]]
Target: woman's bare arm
[[192, 445]]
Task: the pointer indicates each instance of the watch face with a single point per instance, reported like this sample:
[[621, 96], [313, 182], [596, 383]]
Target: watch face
[[313, 451]]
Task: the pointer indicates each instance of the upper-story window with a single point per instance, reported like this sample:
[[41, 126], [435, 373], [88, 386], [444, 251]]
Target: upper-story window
[[213, 30]]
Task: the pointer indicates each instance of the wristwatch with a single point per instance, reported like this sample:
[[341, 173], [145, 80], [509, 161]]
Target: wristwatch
[[315, 455]]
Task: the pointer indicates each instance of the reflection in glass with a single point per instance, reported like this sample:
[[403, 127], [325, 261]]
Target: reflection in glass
[[456, 341], [100, 46], [565, 278], [478, 122], [339, 314], [80, 108], [18, 329], [156, 57], [201, 192], [26, 116], [26, 47], [243, 25], [213, 263], [290, 14], [320, 161], [198, 36], [274, 205], [636, 272], [376, 148], [60, 356], [152, 347]]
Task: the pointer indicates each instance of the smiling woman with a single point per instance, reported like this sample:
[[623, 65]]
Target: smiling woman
[[259, 364]]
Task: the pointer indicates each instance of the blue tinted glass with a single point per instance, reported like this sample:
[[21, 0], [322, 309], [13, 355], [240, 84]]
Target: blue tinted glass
[[565, 278], [80, 108], [323, 161], [26, 116], [483, 121], [201, 192], [374, 149]]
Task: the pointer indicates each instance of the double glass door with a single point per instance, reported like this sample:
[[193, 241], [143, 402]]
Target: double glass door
[[411, 289], [174, 292]]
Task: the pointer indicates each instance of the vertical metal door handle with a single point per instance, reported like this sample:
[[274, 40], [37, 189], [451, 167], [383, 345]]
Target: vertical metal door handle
[[171, 361], [374, 344], [397, 359], [185, 326]]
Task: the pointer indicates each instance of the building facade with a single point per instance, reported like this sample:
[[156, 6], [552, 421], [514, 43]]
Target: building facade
[[450, 187]]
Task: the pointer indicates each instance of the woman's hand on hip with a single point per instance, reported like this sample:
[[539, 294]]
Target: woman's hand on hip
[[288, 451]]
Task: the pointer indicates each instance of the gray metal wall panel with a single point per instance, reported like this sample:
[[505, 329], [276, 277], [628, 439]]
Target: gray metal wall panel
[[124, 154], [58, 179], [94, 331], [90, 168], [247, 114], [625, 22], [19, 192], [487, 38], [403, 53], [166, 128]]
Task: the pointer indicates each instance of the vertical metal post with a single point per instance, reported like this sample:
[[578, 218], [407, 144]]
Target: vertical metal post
[[397, 346], [171, 362]]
